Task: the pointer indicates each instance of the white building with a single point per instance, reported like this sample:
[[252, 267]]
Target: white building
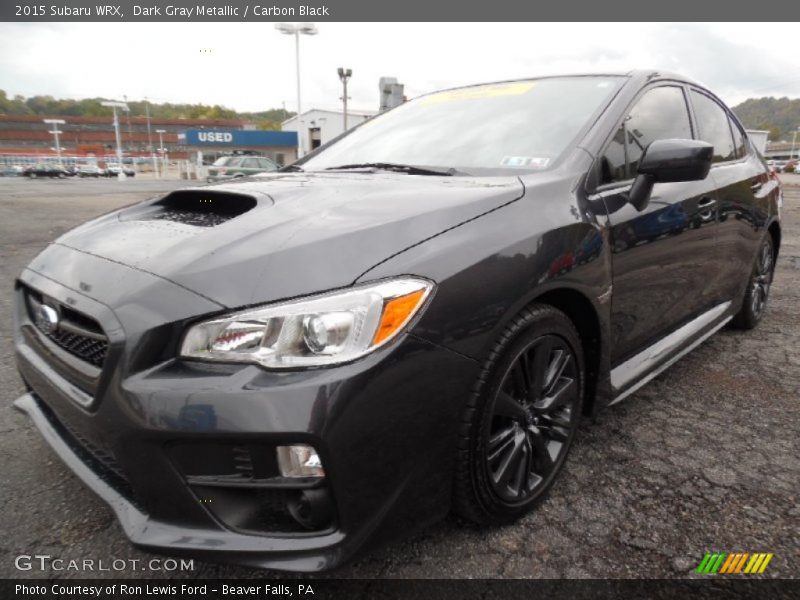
[[317, 126], [759, 139]]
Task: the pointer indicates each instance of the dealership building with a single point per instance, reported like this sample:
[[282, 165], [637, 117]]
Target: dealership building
[[208, 143], [29, 136], [319, 126], [198, 140]]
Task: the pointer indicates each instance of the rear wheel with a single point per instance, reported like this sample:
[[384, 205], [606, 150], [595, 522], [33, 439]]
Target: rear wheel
[[758, 286], [521, 419]]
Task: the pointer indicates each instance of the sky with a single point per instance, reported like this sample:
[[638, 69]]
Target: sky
[[251, 66]]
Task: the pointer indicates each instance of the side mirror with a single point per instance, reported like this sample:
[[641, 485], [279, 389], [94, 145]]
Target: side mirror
[[669, 161]]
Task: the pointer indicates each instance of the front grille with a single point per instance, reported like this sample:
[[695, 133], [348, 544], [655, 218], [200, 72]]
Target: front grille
[[76, 333], [89, 349]]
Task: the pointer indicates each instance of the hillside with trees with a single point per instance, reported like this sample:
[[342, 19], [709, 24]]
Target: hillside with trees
[[92, 107], [779, 116]]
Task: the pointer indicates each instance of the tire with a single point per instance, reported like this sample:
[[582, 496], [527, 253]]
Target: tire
[[758, 286], [505, 462]]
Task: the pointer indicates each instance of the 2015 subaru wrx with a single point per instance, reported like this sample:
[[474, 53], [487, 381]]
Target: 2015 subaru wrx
[[411, 319]]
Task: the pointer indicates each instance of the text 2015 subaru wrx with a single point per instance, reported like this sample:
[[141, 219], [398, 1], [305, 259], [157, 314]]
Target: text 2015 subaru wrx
[[410, 320]]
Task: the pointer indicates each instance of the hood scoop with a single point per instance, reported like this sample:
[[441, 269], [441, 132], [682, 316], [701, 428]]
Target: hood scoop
[[198, 207]]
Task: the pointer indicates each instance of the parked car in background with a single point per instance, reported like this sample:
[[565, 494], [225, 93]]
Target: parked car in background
[[90, 171], [283, 370], [11, 170], [46, 170], [112, 170], [232, 167]]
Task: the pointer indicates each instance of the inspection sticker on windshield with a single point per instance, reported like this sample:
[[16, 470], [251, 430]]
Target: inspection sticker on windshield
[[529, 162], [483, 91]]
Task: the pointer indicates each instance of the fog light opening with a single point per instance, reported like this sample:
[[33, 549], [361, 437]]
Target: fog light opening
[[299, 461], [313, 509]]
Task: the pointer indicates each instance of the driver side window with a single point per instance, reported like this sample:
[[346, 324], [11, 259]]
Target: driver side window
[[661, 113]]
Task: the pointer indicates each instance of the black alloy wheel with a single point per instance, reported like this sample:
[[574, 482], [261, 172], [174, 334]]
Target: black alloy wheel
[[762, 281], [533, 416], [757, 293], [522, 417]]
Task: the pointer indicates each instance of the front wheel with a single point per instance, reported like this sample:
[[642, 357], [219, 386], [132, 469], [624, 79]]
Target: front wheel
[[521, 418], [758, 286]]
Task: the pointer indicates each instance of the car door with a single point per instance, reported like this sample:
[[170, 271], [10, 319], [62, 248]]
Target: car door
[[660, 256], [250, 166], [744, 186], [267, 165]]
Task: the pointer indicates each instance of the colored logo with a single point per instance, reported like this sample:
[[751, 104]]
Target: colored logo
[[737, 562]]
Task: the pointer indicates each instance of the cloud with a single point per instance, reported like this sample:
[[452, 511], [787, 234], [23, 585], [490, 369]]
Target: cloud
[[250, 66]]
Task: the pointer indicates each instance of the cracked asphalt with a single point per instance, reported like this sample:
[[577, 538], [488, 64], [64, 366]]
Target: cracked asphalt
[[704, 458]]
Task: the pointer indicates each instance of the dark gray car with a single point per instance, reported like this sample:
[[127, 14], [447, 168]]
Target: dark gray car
[[411, 320]]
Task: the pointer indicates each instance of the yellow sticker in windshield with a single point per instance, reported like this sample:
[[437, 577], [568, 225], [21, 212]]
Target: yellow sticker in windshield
[[484, 91]]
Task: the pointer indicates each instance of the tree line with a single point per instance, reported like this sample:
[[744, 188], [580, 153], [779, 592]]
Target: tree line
[[92, 107], [779, 116]]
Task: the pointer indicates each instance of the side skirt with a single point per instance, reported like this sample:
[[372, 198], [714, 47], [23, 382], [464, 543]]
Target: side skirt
[[648, 363]]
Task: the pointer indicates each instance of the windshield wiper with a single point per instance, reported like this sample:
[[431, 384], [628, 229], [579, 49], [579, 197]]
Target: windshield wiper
[[385, 166], [291, 168]]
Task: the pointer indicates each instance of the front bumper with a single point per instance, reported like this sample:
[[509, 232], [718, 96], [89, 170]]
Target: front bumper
[[385, 428], [304, 554]]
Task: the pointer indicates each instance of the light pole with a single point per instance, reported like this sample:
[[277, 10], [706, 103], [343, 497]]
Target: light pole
[[163, 151], [344, 76], [127, 110], [55, 123], [296, 30], [149, 135], [794, 137], [114, 106]]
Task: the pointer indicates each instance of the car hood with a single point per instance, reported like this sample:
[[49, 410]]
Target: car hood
[[286, 234]]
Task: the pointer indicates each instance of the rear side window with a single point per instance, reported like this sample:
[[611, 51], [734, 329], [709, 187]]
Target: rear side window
[[738, 140], [661, 113], [713, 126], [265, 163]]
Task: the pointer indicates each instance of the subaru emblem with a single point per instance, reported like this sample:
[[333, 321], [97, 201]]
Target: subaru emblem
[[47, 319]]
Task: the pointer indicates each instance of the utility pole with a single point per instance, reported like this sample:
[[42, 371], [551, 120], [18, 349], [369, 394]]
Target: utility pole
[[114, 106], [344, 76], [163, 150], [296, 30], [149, 136], [128, 116], [55, 123]]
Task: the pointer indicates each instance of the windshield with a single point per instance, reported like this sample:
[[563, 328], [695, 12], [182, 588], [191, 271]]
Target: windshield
[[221, 161], [521, 125]]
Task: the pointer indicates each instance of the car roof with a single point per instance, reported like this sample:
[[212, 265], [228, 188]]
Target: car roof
[[640, 76]]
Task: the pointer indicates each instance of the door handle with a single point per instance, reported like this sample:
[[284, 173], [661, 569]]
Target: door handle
[[706, 202], [756, 186]]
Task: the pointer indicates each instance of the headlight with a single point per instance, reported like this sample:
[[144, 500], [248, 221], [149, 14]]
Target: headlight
[[315, 331]]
